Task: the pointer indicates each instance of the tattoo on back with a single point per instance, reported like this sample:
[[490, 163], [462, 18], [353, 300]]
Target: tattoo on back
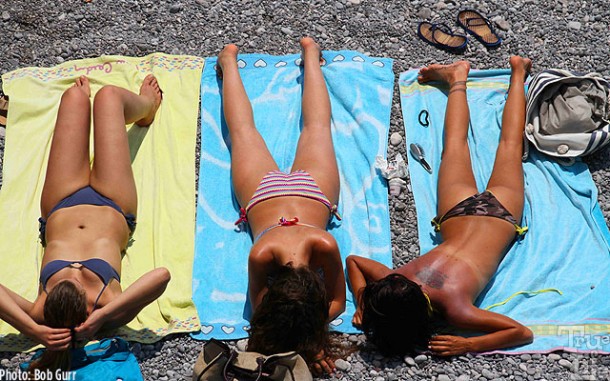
[[432, 278]]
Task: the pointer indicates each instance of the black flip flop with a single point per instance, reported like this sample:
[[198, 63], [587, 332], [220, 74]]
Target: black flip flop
[[479, 27], [442, 37]]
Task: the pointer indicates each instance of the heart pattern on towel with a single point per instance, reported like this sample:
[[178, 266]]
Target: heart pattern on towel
[[260, 63], [358, 59], [337, 322], [241, 64], [281, 64], [338, 58], [227, 329], [298, 62], [206, 329], [379, 64], [246, 328]]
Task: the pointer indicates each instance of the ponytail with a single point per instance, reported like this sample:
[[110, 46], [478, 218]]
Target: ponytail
[[65, 307]]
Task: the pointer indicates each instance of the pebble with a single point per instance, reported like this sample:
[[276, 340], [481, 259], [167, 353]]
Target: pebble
[[554, 356], [488, 374], [574, 25], [409, 361], [175, 8], [424, 13], [420, 359], [501, 23], [343, 365], [242, 345], [395, 139], [6, 16], [565, 363], [443, 377]]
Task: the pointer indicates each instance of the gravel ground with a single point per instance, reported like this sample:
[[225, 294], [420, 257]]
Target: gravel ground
[[561, 34]]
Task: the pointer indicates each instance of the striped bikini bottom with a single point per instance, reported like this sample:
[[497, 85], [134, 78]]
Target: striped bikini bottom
[[279, 184]]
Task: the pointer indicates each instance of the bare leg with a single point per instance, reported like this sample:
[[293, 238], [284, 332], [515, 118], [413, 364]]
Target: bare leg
[[68, 169], [113, 109], [455, 178], [250, 158], [315, 152], [506, 181]]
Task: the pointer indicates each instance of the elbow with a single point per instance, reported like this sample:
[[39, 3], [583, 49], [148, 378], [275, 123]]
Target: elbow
[[527, 336], [163, 276]]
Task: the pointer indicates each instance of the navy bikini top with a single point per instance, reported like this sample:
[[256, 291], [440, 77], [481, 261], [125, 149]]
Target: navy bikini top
[[98, 266]]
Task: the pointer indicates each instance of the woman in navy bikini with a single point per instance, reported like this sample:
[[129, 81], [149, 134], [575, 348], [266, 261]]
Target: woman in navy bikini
[[287, 215], [394, 307], [88, 214]]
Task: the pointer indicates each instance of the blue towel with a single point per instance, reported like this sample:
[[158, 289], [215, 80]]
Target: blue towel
[[567, 245], [360, 89], [107, 359]]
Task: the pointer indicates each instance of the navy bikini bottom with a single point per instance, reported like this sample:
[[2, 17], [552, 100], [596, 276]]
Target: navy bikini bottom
[[85, 196]]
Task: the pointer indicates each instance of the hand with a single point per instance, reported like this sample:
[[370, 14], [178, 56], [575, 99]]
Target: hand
[[357, 319], [54, 339], [447, 345], [89, 328], [322, 364]]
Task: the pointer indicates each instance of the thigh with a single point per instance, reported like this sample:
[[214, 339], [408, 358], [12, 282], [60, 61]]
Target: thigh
[[250, 161], [455, 178], [506, 181], [112, 175], [68, 168], [316, 155]]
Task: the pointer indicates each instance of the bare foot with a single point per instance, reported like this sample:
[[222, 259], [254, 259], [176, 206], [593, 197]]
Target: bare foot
[[520, 65], [82, 83], [150, 89], [227, 56], [457, 71], [310, 48]]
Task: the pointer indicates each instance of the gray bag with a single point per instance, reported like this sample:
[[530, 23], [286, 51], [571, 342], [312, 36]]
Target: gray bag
[[218, 362], [567, 113]]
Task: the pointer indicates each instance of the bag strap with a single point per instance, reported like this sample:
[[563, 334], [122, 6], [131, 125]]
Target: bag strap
[[226, 374]]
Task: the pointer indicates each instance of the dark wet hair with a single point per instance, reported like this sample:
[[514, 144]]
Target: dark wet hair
[[395, 315], [65, 307], [293, 315]]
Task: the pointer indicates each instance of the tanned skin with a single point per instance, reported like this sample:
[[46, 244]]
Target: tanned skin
[[456, 271], [296, 245], [82, 232]]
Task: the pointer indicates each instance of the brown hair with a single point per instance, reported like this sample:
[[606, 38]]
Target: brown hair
[[65, 307], [395, 315], [293, 315]]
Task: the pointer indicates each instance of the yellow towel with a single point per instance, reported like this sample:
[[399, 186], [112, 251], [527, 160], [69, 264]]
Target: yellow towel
[[163, 159]]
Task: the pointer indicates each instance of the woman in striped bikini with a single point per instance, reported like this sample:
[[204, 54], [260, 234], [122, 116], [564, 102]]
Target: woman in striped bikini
[[287, 214]]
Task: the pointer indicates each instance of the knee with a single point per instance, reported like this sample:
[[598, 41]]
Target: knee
[[75, 97], [106, 94]]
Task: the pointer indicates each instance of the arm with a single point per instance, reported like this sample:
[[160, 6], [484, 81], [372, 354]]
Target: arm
[[500, 332], [14, 310], [360, 271], [128, 304], [260, 262], [334, 278]]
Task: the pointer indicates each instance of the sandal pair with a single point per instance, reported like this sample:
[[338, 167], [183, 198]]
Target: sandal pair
[[441, 36]]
